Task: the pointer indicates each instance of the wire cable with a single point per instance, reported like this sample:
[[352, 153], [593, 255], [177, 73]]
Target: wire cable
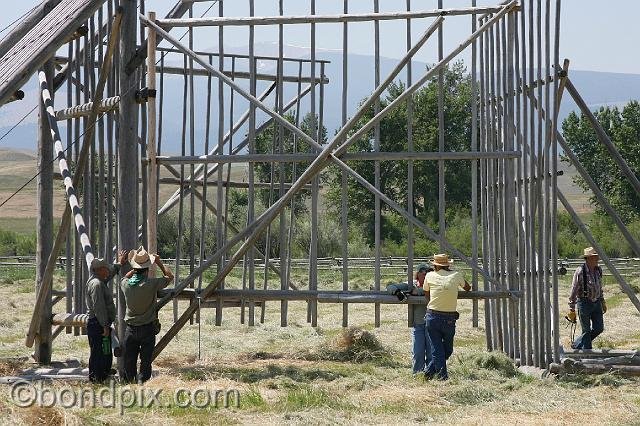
[[16, 20], [90, 126]]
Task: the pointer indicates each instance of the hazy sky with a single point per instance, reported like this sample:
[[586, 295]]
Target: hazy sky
[[596, 35]]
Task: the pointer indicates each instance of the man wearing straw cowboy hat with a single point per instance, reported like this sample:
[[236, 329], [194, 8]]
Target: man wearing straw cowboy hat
[[441, 290], [102, 313], [140, 293], [586, 290]]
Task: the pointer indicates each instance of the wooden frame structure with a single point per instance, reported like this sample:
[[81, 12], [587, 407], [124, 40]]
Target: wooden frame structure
[[515, 76]]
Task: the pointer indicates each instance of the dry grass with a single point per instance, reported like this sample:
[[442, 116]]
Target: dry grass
[[293, 375]]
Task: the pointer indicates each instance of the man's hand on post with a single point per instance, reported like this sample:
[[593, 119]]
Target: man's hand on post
[[122, 256]]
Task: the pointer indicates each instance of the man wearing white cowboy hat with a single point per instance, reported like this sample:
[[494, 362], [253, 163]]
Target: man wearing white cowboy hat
[[586, 290], [102, 313], [441, 290], [140, 294]]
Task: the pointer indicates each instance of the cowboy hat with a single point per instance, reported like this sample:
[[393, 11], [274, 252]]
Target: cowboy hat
[[140, 259], [589, 251], [441, 260]]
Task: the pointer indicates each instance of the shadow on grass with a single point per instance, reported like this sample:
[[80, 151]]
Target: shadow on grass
[[257, 374]]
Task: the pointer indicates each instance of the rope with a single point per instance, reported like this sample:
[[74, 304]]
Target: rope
[[86, 127]]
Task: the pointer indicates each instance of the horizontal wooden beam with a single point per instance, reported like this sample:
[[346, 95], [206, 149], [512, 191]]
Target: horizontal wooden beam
[[105, 105], [623, 370], [352, 156], [321, 19], [597, 353], [245, 56], [242, 75], [331, 296]]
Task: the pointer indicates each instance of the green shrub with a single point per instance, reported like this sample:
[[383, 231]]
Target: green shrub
[[15, 244]]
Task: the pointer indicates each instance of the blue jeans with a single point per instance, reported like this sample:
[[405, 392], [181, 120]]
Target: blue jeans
[[441, 329], [421, 351], [591, 321]]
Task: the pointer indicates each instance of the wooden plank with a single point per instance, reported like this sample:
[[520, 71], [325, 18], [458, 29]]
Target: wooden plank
[[41, 42]]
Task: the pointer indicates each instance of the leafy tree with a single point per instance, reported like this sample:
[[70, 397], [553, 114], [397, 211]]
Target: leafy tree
[[267, 142], [623, 127], [393, 174]]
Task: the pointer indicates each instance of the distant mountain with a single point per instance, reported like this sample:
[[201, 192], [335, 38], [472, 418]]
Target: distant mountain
[[597, 88]]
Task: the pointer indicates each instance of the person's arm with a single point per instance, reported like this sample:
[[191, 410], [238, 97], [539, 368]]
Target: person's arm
[[575, 286], [99, 307], [168, 275], [463, 282], [115, 268]]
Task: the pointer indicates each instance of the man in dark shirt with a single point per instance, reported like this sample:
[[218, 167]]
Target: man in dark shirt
[[101, 312], [140, 293], [586, 290]]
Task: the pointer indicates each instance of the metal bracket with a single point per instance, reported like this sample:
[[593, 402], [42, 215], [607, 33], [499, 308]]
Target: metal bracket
[[144, 94]]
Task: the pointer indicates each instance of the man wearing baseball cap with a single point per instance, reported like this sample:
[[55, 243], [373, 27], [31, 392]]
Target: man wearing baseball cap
[[101, 312], [421, 346], [140, 294], [586, 292]]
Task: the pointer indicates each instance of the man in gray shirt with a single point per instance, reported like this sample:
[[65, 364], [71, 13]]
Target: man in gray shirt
[[101, 312], [421, 346], [140, 293]]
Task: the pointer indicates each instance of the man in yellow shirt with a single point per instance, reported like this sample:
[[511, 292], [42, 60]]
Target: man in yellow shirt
[[441, 290]]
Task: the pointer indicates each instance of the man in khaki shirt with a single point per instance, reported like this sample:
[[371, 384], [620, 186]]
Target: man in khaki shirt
[[441, 289], [140, 294]]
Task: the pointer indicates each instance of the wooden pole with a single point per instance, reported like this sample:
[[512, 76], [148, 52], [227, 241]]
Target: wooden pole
[[410, 175], [220, 227], [474, 168], [376, 147], [44, 223], [126, 148], [152, 169], [322, 19]]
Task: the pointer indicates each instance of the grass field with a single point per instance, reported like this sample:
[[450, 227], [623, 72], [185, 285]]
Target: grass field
[[305, 375]]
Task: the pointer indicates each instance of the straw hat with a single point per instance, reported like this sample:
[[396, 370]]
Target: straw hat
[[140, 259], [98, 263], [589, 251], [441, 260]]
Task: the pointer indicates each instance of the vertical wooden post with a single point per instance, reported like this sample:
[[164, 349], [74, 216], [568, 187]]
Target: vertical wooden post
[[376, 147], [474, 170], [441, 167], [44, 222], [152, 199], [127, 146]]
